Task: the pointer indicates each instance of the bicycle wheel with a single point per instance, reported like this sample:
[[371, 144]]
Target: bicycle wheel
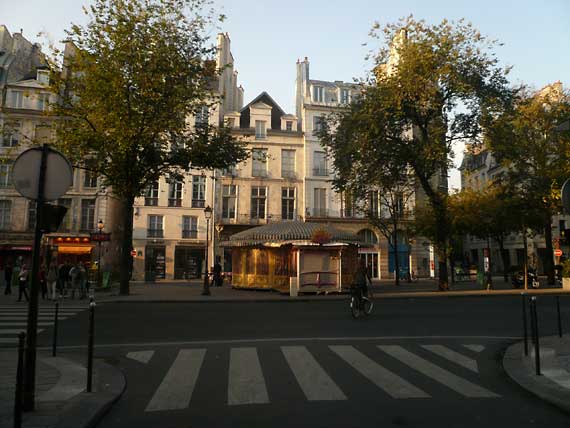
[[354, 307], [367, 305]]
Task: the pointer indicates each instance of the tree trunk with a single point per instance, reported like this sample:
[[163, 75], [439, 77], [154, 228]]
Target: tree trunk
[[505, 258], [126, 245], [441, 244], [549, 261]]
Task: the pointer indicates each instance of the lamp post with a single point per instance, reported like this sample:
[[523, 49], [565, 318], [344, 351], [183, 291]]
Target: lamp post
[[219, 228], [100, 227], [207, 216]]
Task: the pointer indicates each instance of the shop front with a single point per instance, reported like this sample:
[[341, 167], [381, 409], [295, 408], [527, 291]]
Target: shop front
[[155, 262], [71, 249], [188, 261]]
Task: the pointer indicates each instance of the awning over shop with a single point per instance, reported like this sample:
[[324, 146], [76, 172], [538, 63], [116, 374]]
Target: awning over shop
[[73, 249]]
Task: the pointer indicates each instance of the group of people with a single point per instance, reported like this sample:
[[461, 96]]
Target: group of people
[[54, 280]]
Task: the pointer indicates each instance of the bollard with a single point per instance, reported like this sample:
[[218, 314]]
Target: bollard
[[56, 316], [19, 398], [525, 329], [90, 345], [534, 320], [559, 318]]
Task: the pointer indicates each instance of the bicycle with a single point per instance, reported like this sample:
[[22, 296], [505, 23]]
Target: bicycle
[[359, 303]]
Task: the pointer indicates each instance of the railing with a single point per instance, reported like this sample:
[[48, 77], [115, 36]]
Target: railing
[[259, 173], [198, 203], [175, 202], [155, 233], [320, 172], [151, 202], [189, 234], [319, 279], [318, 212], [289, 174]]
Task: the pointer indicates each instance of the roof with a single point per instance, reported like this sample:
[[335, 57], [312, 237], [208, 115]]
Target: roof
[[288, 231], [265, 98]]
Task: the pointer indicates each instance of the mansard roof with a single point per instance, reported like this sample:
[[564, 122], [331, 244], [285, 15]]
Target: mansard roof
[[265, 98]]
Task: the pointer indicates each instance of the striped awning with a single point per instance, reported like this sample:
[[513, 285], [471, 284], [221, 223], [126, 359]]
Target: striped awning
[[288, 232]]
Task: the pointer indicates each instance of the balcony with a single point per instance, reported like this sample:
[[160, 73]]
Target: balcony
[[151, 202], [189, 234], [155, 233], [320, 172], [289, 174], [259, 173], [198, 203], [317, 212], [174, 202]]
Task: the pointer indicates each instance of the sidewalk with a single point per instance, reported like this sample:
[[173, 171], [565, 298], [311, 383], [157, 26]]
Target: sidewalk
[[60, 398], [553, 385]]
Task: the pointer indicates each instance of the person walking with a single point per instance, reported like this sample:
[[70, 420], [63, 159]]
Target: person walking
[[75, 276], [82, 280], [43, 281], [8, 278], [63, 278], [52, 276], [23, 283], [217, 279]]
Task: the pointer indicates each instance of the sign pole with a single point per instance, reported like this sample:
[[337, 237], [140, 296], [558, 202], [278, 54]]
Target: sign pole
[[31, 336]]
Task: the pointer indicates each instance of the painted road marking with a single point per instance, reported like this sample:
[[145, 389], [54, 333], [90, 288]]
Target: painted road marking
[[246, 383], [451, 355], [141, 356]]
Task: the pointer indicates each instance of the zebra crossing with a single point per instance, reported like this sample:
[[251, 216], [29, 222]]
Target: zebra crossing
[[13, 319], [247, 381]]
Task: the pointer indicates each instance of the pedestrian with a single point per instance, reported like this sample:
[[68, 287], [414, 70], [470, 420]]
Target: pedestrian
[[82, 280], [23, 283], [43, 281], [75, 276], [63, 278], [52, 276], [8, 278], [217, 279]]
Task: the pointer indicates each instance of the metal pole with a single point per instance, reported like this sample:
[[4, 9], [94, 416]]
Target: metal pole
[[19, 382], [54, 345], [206, 291], [99, 267], [525, 328], [536, 335], [559, 318], [30, 367], [90, 344]]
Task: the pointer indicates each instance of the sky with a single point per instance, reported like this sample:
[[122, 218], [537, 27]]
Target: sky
[[269, 36]]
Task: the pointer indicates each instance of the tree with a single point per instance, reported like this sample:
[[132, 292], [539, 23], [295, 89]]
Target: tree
[[428, 89], [536, 157], [139, 69]]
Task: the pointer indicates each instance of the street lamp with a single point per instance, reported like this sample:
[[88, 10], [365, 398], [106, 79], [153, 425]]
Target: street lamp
[[207, 216], [100, 227]]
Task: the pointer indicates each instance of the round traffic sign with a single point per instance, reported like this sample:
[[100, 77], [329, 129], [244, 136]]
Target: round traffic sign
[[26, 174], [557, 252], [133, 253]]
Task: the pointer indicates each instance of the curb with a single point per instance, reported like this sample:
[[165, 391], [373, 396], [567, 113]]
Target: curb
[[86, 409], [521, 370]]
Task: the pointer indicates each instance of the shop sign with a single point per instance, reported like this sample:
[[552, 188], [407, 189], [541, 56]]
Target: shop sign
[[71, 240], [100, 236]]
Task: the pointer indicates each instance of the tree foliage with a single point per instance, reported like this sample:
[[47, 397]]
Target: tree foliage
[[429, 87], [132, 77]]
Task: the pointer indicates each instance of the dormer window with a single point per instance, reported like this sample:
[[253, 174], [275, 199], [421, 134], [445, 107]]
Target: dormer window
[[344, 96], [318, 94], [231, 121], [42, 76], [289, 125], [202, 115], [260, 129]]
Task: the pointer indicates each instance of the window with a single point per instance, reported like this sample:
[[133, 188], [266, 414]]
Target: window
[[258, 197], [175, 193], [229, 199], [368, 236], [344, 96], [5, 209], [151, 195], [198, 191], [288, 203], [318, 94], [87, 214], [349, 204], [202, 115], [289, 125], [43, 101], [373, 203], [317, 124], [320, 164], [17, 99], [288, 163], [42, 76], [5, 175], [231, 122], [320, 202], [189, 227], [11, 134], [31, 215], [155, 226], [260, 129], [43, 134], [65, 225], [230, 171], [259, 157], [89, 180]]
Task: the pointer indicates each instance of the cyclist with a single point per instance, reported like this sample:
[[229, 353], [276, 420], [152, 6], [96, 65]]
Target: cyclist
[[362, 278]]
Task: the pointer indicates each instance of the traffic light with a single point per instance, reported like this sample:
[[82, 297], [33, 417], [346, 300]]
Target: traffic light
[[565, 237]]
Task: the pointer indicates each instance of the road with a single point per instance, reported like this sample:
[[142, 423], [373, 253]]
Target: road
[[414, 363]]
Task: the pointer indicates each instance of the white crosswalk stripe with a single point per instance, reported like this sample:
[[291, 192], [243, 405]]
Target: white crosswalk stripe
[[313, 380], [175, 391], [445, 377], [475, 348], [17, 316], [247, 382]]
